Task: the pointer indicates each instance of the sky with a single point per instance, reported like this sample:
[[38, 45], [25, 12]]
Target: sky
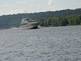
[[30, 6]]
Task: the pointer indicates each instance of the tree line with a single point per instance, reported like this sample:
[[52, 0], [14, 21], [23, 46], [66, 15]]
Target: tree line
[[61, 21]]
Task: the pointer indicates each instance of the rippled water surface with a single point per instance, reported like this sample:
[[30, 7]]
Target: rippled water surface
[[45, 44]]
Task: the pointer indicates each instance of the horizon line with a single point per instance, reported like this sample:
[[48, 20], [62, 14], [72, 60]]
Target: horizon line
[[40, 11]]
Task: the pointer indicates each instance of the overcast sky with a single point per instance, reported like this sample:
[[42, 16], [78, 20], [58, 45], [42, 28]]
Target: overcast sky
[[28, 6]]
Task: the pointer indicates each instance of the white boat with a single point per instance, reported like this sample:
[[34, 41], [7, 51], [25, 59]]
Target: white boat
[[28, 23]]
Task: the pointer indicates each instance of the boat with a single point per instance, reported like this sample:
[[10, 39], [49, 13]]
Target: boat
[[29, 23]]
